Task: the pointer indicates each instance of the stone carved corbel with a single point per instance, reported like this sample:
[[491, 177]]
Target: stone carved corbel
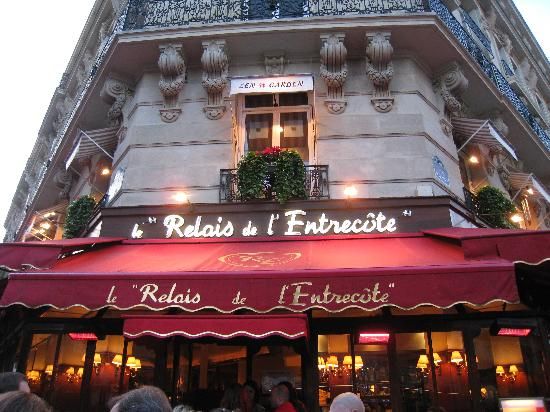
[[380, 69], [215, 64], [172, 80], [274, 62], [450, 85], [334, 70], [63, 180], [498, 122], [115, 92]]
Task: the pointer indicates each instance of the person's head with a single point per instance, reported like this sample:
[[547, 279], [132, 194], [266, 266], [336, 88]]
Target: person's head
[[231, 397], [279, 395], [19, 401], [347, 402], [144, 399], [251, 391], [13, 381]]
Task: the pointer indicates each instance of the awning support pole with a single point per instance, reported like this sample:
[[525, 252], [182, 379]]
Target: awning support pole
[[474, 380], [473, 135], [87, 376]]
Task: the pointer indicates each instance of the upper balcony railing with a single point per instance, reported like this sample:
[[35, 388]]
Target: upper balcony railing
[[170, 13]]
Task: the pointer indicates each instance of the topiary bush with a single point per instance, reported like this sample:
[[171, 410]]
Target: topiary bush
[[79, 213], [271, 174], [290, 176], [495, 207]]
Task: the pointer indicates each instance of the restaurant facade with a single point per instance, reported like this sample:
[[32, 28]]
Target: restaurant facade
[[345, 196]]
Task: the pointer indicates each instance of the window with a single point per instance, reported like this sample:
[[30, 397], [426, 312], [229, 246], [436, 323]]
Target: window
[[283, 120]]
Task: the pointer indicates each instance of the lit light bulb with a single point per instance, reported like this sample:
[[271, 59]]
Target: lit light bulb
[[473, 160], [45, 225], [350, 191], [280, 129], [530, 191], [181, 197], [105, 171], [516, 218]]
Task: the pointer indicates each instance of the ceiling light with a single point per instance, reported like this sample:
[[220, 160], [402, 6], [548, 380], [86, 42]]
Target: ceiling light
[[516, 218], [530, 190], [473, 160], [105, 171], [45, 225]]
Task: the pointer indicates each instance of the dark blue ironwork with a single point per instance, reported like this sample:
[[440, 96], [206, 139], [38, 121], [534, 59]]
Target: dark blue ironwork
[[489, 68], [476, 29], [316, 184], [168, 13], [507, 69]]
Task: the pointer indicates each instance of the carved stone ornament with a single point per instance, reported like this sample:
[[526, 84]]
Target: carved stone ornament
[[274, 62], [446, 126], [451, 83], [172, 79], [334, 70], [380, 69], [63, 180], [115, 92], [215, 64], [498, 122]]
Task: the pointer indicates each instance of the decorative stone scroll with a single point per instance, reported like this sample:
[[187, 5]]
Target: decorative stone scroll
[[334, 70], [63, 180], [451, 83], [380, 69], [274, 62], [172, 80], [215, 64], [115, 92]]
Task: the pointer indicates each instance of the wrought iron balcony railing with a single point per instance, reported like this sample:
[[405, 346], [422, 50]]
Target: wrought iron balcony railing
[[472, 25], [316, 184], [167, 13]]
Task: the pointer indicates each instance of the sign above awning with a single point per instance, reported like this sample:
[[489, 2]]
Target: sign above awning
[[275, 84], [293, 326], [332, 274]]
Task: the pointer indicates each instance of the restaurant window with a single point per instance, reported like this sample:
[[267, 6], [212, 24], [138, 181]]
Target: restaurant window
[[283, 119], [509, 367], [55, 369]]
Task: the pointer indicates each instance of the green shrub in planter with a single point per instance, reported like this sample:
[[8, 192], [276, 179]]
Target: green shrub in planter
[[290, 176], [79, 213], [495, 207], [252, 174]]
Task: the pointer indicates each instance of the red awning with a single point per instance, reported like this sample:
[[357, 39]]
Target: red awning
[[219, 326], [41, 255], [297, 274]]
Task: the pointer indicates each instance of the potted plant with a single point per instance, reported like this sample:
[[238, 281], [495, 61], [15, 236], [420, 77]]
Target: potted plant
[[79, 213], [274, 173], [495, 207]]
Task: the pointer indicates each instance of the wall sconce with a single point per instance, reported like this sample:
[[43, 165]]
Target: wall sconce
[[49, 370], [347, 361], [350, 191], [80, 372], [33, 376], [321, 363], [358, 362], [457, 359], [437, 359], [71, 375], [507, 377], [332, 362], [422, 363]]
